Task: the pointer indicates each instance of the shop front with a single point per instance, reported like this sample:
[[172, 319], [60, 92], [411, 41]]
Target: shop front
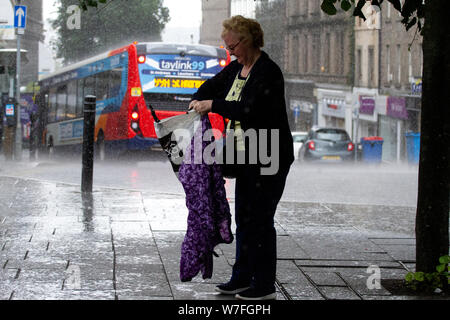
[[392, 127], [413, 107], [365, 121], [332, 112], [301, 104], [332, 108], [303, 113]]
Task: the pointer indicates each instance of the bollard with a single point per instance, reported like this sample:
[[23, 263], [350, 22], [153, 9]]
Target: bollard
[[88, 143], [88, 211]]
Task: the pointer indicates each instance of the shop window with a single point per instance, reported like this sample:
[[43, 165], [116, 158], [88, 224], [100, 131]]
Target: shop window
[[399, 65], [305, 54], [358, 66], [371, 67]]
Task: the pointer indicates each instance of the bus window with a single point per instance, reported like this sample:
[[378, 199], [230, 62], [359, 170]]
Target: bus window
[[116, 82], [71, 100], [61, 101], [80, 98], [89, 86], [102, 85], [52, 106]]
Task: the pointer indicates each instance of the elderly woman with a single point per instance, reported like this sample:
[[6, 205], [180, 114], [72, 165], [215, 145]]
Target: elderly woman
[[250, 91]]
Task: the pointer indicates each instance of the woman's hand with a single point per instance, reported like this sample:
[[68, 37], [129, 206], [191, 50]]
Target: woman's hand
[[202, 107], [192, 103]]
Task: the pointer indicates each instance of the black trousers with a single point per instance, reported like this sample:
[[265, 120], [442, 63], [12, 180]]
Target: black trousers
[[256, 200]]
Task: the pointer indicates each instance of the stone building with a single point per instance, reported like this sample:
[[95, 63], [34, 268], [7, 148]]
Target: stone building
[[401, 68], [318, 65], [363, 76], [246, 8], [387, 87], [213, 13], [366, 73]]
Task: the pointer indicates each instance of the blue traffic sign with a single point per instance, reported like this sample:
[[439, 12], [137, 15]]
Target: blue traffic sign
[[20, 17]]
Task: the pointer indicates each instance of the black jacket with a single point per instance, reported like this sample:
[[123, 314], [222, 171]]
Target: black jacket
[[262, 104]]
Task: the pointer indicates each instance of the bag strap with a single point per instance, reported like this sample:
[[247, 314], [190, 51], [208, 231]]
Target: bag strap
[[153, 113]]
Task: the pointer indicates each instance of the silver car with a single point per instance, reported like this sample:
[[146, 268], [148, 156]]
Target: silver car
[[299, 137], [327, 145]]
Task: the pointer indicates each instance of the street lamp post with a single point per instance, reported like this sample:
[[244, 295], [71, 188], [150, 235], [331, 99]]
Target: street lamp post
[[18, 139]]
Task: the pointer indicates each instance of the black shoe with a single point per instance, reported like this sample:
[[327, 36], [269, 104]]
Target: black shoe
[[253, 294], [231, 288]]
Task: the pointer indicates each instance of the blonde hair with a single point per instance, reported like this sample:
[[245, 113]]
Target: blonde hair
[[246, 28]]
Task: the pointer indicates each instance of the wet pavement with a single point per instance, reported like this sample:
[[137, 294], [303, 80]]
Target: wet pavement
[[124, 244]]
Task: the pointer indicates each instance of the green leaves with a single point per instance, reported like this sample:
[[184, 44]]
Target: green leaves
[[428, 282], [358, 10], [440, 268], [410, 23], [419, 276], [377, 3], [412, 11], [84, 4], [107, 24], [444, 261], [397, 4], [328, 7], [345, 5], [409, 277]]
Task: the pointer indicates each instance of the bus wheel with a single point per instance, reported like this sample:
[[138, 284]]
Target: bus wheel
[[101, 147]]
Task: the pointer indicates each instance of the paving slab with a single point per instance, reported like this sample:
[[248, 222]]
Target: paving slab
[[126, 245]]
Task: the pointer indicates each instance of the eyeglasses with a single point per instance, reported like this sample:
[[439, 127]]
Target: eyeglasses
[[231, 48]]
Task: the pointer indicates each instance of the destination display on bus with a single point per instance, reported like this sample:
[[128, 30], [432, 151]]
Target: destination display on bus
[[168, 73]]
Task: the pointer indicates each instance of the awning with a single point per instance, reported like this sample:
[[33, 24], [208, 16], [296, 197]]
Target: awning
[[8, 56]]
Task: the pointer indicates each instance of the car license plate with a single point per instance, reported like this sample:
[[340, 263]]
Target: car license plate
[[331, 158]]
